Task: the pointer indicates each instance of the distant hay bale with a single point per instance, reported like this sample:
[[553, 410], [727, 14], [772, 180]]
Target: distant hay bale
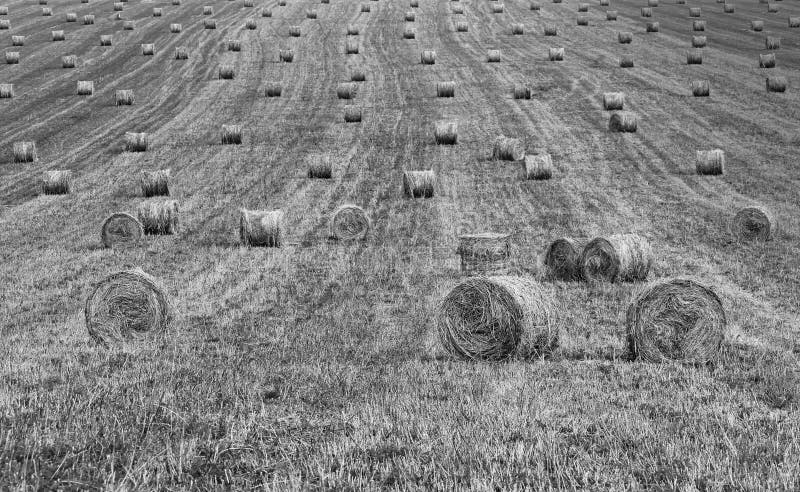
[[753, 224], [365, 7], [446, 89], [6, 91], [208, 10], [410, 17], [157, 12], [694, 11], [266, 13], [622, 122], [675, 320], [772, 8], [462, 26], [88, 20], [458, 9], [72, 17], [148, 49], [57, 182], [17, 40], [311, 14], [413, 4], [484, 253], [497, 8], [158, 217], [136, 141], [226, 72], [24, 151], [626, 60], [286, 56], [493, 56], [616, 258], [496, 318], [249, 3], [583, 7], [757, 25], [766, 60], [120, 230], [234, 45], [728, 8], [624, 37], [556, 54], [349, 223], [517, 29], [409, 33], [710, 162], [562, 259], [694, 57], [351, 46], [273, 89], [3, 10], [352, 30], [652, 3], [181, 53], [772, 43], [583, 20], [175, 28], [85, 87], [12, 57], [556, 1], [346, 90], [47, 12], [428, 57], [538, 167], [294, 31], [537, 6], [155, 183], [699, 25], [794, 21], [653, 27], [605, 3], [550, 30], [774, 84], [320, 167], [701, 88], [261, 228], [231, 134], [699, 41], [176, 2], [5, 24], [118, 6], [522, 92], [127, 306], [611, 15], [281, 3], [128, 26], [123, 97], [352, 114], [105, 40], [58, 35], [647, 12], [358, 75], [613, 101], [446, 133], [419, 184], [209, 24], [508, 149]]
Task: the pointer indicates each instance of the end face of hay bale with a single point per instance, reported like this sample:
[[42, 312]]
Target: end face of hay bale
[[181, 53], [358, 75], [772, 43], [624, 37], [124, 97], [57, 182], [175, 28], [774, 84], [766, 60], [25, 152], [728, 8], [231, 134], [352, 114], [261, 228], [85, 87], [250, 24], [294, 31], [159, 217], [522, 92], [699, 25], [210, 24], [349, 223], [286, 56], [794, 22], [699, 41], [701, 88], [611, 15], [562, 259], [556, 54], [352, 30], [538, 167], [120, 230], [653, 27], [136, 142], [409, 33], [127, 306], [617, 258], [419, 184], [17, 40], [320, 167], [623, 122], [462, 26], [6, 91], [446, 133], [647, 12], [155, 183], [273, 89], [517, 29], [128, 26], [614, 101], [754, 224], [58, 35], [626, 61], [757, 25], [226, 72], [694, 57], [550, 30], [493, 56], [675, 320], [12, 57], [694, 12], [484, 253], [148, 49], [234, 45], [88, 20], [351, 46], [508, 149], [428, 57], [346, 90], [446, 89], [105, 40], [710, 162]]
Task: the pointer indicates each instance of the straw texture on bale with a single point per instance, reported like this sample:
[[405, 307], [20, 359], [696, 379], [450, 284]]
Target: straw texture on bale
[[57, 182], [234, 45], [753, 224], [24, 151], [623, 121], [349, 222], [583, 7], [616, 258], [158, 217], [208, 10], [757, 25], [653, 27], [6, 91], [231, 134], [47, 12], [493, 56], [409, 33], [772, 43], [556, 54], [17, 40], [352, 114], [517, 29], [85, 87], [118, 6], [462, 26], [605, 3], [136, 142], [497, 8], [155, 183], [286, 56], [175, 28], [694, 57], [352, 30], [210, 24], [105, 40], [413, 4], [710, 162], [485, 253], [458, 9], [774, 84], [157, 12], [346, 90], [446, 89], [446, 133], [294, 31], [611, 15], [58, 35], [351, 46], [496, 318], [311, 14], [538, 166], [699, 25], [181, 53], [647, 12], [365, 7], [226, 72], [772, 8], [766, 60], [12, 57], [562, 259], [624, 37], [273, 89], [794, 21], [508, 149], [176, 2], [358, 75], [266, 13], [5, 24], [4, 10], [699, 41], [261, 228], [614, 101], [694, 12], [728, 8], [320, 167], [522, 92], [419, 184], [583, 20], [124, 97], [410, 17], [675, 320], [88, 20], [250, 24], [626, 61], [550, 30], [536, 6], [428, 57], [148, 49], [121, 229], [701, 88]]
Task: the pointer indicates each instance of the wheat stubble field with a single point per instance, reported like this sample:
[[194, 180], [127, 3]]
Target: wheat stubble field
[[317, 365]]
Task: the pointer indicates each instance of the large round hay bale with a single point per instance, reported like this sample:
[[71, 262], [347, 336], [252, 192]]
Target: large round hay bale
[[105, 40], [728, 8], [5, 24], [346, 90], [286, 56], [757, 25], [497, 8], [536, 6], [583, 20], [522, 92], [320, 167], [419, 184], [352, 114], [462, 26], [675, 320], [349, 222], [694, 11], [231, 135], [85, 87], [550, 30], [562, 260], [358, 75], [710, 162], [58, 182], [517, 29], [88, 19], [772, 43], [121, 229], [124, 97], [159, 217], [555, 54], [753, 224], [410, 33], [538, 167], [701, 88], [69, 61], [495, 318], [699, 41], [626, 61], [446, 133], [148, 49], [484, 253], [457, 9], [583, 7], [508, 149], [155, 183], [446, 89], [616, 258], [226, 72], [694, 57], [410, 16], [652, 27], [772, 8], [17, 40], [623, 122], [699, 25], [614, 101], [58, 35], [261, 228], [126, 306], [234, 45], [181, 53], [611, 15], [493, 56], [352, 30], [12, 57], [24, 151], [777, 84], [273, 89], [766, 60], [647, 12], [794, 22], [6, 91], [428, 57], [136, 142], [351, 46]]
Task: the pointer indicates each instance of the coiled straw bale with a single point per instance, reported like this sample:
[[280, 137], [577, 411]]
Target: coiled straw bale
[[158, 217], [234, 45], [249, 3], [266, 13], [250, 24], [522, 92], [294, 31], [550, 30], [626, 61], [517, 29], [351, 46], [286, 56], [699, 25], [85, 88], [3, 10], [209, 24], [410, 17], [155, 183], [614, 101], [611, 15], [346, 90], [261, 228], [794, 21], [508, 149], [17, 40], [694, 12], [583, 20], [624, 37], [136, 142], [175, 28], [694, 57], [699, 41], [419, 184], [358, 75], [88, 20], [365, 8], [753, 224], [181, 53], [118, 6], [6, 91], [5, 24], [352, 114], [772, 8], [562, 259], [616, 258], [57, 182], [728, 8], [120, 230], [766, 60], [273, 89], [701, 88], [536, 6], [485, 253], [652, 3], [12, 57], [653, 27], [409, 33], [774, 84], [24, 151], [497, 8], [428, 57], [583, 7], [127, 306], [446, 133], [58, 35], [226, 72], [772, 43], [623, 122], [349, 222], [538, 166], [446, 89], [462, 26], [48, 12], [710, 162], [352, 30], [647, 12], [208, 10], [231, 134], [148, 49], [675, 320], [757, 25], [556, 54], [124, 97], [105, 40], [320, 167], [311, 14], [495, 318], [414, 4], [458, 9], [493, 56]]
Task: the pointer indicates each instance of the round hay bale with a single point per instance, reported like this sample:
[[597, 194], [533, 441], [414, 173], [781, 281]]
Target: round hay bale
[[556, 54], [428, 57], [583, 20], [266, 12], [623, 122], [757, 25], [136, 142], [118, 6], [226, 72], [4, 10], [614, 101], [346, 90], [493, 56], [410, 17], [710, 162], [446, 89], [157, 11], [522, 92], [85, 87], [508, 149], [208, 10], [124, 97], [261, 228], [349, 222], [611, 15], [605, 3], [699, 41], [794, 21], [536, 6], [358, 75], [772, 43], [462, 26], [701, 88], [413, 4], [446, 133], [5, 24], [517, 29], [24, 152], [127, 306], [538, 167], [652, 3], [675, 320], [58, 35], [121, 229], [497, 8], [728, 8], [458, 9], [699, 25], [130, 25], [320, 167], [273, 89], [495, 318], [694, 57], [17, 40], [48, 12], [753, 224], [653, 27], [155, 183], [774, 84], [231, 134], [562, 259], [352, 114], [57, 182], [484, 253], [69, 61], [583, 7], [12, 57], [616, 258], [286, 56], [410, 33], [105, 40], [766, 60], [158, 217], [352, 30], [311, 14], [694, 11], [550, 30], [6, 91], [209, 24], [647, 12], [772, 8], [234, 45], [624, 37], [419, 184], [351, 46], [365, 8], [181, 53]]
